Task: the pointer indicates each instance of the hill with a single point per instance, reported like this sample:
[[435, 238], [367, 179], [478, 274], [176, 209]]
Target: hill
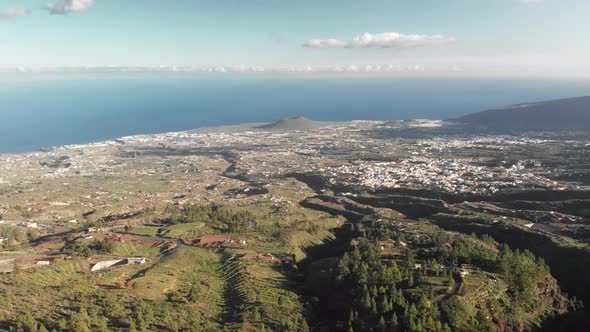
[[572, 114], [297, 123]]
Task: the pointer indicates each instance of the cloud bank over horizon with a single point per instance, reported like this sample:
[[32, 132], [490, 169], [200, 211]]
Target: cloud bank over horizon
[[382, 40]]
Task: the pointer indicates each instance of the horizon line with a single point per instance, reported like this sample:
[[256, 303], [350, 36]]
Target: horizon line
[[310, 70]]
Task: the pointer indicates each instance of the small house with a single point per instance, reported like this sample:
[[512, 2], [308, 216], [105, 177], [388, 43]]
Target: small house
[[218, 241], [29, 225], [136, 260]]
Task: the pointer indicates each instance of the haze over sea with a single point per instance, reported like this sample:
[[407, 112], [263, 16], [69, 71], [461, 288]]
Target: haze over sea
[[44, 110]]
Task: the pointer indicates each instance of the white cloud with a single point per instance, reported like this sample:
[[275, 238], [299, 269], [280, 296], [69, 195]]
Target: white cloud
[[65, 7], [325, 43], [14, 13], [398, 40], [382, 40]]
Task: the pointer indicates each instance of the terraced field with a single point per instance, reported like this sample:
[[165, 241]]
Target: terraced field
[[256, 292], [177, 272]]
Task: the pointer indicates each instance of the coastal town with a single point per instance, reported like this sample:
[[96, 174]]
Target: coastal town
[[99, 181]]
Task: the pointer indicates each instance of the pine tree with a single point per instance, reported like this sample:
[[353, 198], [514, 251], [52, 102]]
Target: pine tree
[[417, 276], [366, 302], [385, 304], [413, 312], [435, 311], [392, 292], [429, 324], [351, 318], [411, 261], [374, 292], [396, 273], [410, 280], [374, 309], [393, 322], [422, 303], [381, 325], [418, 326], [402, 300]]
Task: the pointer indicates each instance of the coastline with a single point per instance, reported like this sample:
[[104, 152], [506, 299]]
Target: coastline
[[257, 127]]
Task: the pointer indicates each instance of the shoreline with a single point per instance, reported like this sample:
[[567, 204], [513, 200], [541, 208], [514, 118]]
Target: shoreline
[[229, 128]]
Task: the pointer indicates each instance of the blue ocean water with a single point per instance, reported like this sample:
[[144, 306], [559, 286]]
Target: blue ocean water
[[46, 110]]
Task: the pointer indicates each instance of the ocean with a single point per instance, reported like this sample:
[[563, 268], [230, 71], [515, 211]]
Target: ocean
[[44, 110]]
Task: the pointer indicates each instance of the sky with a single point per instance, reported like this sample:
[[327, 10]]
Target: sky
[[476, 36]]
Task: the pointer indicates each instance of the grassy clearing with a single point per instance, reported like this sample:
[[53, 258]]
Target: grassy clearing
[[191, 230], [177, 272], [142, 230], [132, 249]]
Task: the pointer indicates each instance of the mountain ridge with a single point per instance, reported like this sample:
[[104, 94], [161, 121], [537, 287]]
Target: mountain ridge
[[569, 114]]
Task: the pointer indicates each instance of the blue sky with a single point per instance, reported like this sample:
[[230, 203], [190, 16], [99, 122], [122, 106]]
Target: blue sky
[[543, 36]]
